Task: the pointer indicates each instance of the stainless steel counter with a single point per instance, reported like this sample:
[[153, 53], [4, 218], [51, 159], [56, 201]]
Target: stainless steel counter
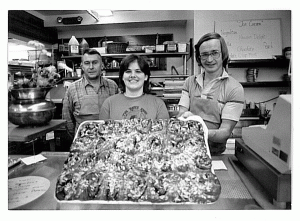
[[30, 133], [234, 194]]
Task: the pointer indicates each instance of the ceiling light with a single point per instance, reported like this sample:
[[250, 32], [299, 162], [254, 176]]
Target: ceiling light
[[99, 13], [103, 12], [93, 14]]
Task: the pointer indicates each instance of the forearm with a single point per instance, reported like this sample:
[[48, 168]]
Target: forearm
[[218, 135], [223, 133]]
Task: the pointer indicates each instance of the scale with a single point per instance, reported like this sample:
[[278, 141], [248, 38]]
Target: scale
[[266, 152]]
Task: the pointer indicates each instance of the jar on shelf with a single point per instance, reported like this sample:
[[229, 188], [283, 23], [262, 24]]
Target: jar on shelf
[[73, 46]]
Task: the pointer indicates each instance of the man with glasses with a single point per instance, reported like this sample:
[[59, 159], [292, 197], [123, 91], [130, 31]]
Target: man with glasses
[[212, 94]]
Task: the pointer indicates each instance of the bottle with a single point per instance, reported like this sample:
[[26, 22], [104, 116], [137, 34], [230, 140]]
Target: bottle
[[83, 46], [73, 46]]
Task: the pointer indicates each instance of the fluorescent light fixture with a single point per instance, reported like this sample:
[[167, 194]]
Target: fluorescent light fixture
[[103, 12], [93, 14], [99, 13]]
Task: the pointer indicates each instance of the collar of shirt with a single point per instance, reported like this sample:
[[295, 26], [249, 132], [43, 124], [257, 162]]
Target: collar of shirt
[[87, 83], [199, 77]]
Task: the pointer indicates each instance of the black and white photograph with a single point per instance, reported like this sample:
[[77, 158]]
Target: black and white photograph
[[147, 109]]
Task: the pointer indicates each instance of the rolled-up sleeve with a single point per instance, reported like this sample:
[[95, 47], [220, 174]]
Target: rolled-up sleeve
[[185, 97], [234, 106]]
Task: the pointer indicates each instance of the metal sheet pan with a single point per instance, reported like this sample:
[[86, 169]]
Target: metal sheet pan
[[230, 197], [101, 204]]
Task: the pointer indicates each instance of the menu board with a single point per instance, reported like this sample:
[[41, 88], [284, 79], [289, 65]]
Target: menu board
[[251, 39]]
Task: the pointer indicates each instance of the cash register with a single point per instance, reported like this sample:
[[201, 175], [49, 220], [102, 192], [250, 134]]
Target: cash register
[[266, 152]]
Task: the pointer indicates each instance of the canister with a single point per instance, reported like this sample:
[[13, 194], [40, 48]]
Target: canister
[[159, 48], [262, 109], [181, 47]]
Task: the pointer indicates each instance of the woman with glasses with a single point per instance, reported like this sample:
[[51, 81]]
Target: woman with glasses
[[135, 100], [212, 94]]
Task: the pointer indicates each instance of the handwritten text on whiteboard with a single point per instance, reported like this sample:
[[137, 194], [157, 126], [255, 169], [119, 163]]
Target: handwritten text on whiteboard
[[251, 39]]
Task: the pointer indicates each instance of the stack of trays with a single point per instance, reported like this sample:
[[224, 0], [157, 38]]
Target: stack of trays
[[173, 88]]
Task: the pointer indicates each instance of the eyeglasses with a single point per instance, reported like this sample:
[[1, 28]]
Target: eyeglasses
[[214, 54]]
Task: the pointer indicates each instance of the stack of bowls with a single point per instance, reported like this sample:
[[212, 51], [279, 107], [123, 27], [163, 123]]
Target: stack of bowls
[[29, 107]]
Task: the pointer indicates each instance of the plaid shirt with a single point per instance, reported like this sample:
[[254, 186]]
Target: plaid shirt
[[74, 93]]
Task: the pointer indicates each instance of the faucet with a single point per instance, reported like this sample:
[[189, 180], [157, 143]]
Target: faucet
[[173, 68]]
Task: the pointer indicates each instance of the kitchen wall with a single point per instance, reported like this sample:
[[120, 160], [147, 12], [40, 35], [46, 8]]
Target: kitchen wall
[[204, 23], [178, 30], [196, 23]]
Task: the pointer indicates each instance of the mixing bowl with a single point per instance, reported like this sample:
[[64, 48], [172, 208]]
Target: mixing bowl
[[31, 112], [30, 93]]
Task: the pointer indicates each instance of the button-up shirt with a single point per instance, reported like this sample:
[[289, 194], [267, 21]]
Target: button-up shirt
[[74, 93]]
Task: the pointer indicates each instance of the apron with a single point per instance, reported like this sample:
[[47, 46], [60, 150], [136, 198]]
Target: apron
[[90, 107], [208, 108]]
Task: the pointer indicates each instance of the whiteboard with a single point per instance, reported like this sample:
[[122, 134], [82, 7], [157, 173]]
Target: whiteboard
[[251, 39]]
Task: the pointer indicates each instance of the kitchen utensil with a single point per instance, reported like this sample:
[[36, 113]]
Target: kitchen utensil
[[30, 93], [29, 107], [31, 112]]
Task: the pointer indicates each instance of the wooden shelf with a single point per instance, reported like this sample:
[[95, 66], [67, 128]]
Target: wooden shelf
[[267, 84], [259, 63]]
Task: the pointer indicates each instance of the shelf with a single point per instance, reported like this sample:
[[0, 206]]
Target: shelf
[[160, 54], [250, 84], [157, 88], [71, 57], [76, 78], [170, 99], [117, 69], [259, 63], [267, 84], [117, 76], [244, 84], [169, 76], [184, 55]]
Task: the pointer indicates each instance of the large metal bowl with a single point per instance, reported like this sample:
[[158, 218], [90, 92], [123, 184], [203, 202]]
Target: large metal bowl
[[30, 93], [31, 112]]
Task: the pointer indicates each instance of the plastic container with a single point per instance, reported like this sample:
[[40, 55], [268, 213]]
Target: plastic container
[[83, 46], [73, 46], [181, 47]]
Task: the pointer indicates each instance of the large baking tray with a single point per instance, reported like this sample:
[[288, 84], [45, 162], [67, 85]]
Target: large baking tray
[[102, 204], [194, 117]]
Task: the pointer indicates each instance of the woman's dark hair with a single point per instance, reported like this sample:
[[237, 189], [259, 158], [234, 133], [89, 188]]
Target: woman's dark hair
[[224, 49], [144, 66]]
